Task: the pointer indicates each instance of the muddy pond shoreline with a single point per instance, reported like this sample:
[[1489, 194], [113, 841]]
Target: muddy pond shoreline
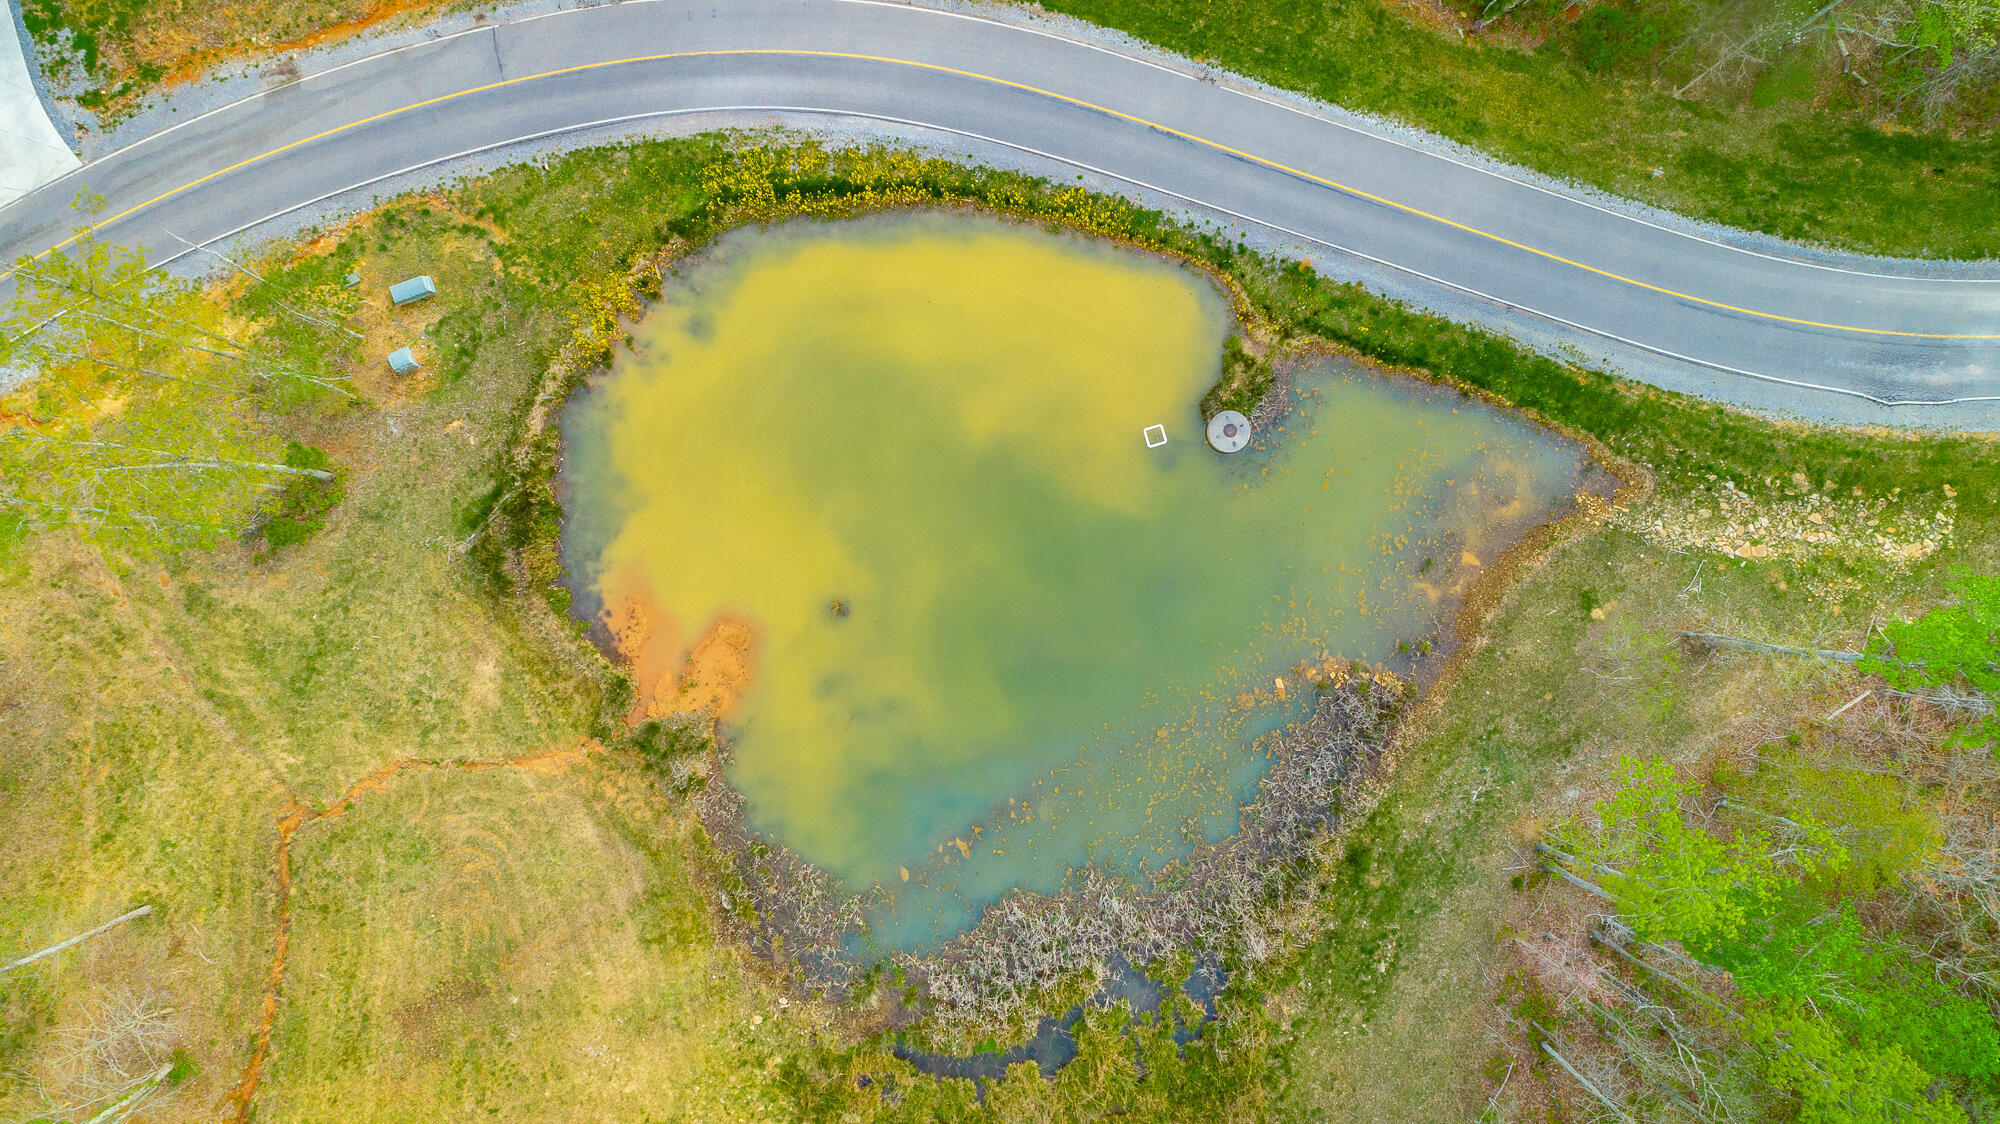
[[1232, 904], [1235, 899]]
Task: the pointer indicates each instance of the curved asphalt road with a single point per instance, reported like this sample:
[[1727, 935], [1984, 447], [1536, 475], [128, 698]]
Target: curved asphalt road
[[1854, 340]]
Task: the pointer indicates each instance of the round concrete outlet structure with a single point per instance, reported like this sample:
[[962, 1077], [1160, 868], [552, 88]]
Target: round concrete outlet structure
[[1228, 431]]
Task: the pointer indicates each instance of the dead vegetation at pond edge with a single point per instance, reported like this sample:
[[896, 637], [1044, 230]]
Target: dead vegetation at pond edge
[[1246, 898], [1243, 899]]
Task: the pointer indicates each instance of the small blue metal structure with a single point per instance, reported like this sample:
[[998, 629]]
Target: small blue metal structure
[[413, 290], [403, 361]]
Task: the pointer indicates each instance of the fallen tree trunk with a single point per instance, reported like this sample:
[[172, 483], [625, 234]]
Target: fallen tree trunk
[[1949, 697], [76, 940], [1741, 645], [1589, 1087], [1564, 860]]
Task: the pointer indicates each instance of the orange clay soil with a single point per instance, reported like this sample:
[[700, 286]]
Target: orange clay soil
[[192, 66], [707, 681], [296, 815]]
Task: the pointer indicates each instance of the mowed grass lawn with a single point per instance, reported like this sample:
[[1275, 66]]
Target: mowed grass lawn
[[119, 788], [160, 716], [504, 922], [515, 944]]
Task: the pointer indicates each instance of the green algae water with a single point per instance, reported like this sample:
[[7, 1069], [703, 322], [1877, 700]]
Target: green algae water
[[877, 492]]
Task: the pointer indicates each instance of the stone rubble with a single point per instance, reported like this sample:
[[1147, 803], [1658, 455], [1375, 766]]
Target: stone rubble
[[1795, 521]]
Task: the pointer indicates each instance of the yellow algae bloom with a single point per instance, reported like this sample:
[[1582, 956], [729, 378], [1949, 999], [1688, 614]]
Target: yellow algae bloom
[[875, 497]]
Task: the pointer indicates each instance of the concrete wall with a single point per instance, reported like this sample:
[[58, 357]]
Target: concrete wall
[[32, 152]]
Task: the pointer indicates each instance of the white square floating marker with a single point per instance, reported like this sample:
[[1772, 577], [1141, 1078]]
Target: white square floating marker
[[1156, 436]]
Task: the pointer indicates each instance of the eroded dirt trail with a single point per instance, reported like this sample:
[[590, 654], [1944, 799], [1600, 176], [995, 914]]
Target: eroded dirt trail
[[295, 815]]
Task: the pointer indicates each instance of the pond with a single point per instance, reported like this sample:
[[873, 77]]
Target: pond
[[876, 493]]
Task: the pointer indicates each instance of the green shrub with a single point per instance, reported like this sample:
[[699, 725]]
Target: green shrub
[[183, 1067], [1609, 38], [1244, 382], [285, 531], [659, 743], [305, 500]]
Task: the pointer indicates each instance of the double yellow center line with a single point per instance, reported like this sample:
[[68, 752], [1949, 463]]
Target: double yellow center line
[[1038, 91]]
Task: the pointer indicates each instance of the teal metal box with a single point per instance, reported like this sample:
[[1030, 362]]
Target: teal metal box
[[413, 290]]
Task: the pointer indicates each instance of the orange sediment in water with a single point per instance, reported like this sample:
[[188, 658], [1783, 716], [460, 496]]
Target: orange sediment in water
[[876, 495], [704, 680]]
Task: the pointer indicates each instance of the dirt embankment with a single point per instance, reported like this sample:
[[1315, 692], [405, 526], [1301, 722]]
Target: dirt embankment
[[162, 46]]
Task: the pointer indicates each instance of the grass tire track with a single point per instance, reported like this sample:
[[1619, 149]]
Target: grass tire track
[[295, 815]]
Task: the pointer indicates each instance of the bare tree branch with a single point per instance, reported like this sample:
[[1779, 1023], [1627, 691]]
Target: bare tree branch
[[76, 940]]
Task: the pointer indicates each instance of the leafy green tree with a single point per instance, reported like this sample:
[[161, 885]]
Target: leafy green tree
[[1837, 1082], [1954, 648], [1823, 964], [134, 419], [1953, 645], [1944, 29], [1849, 1025], [1852, 832], [1669, 878]]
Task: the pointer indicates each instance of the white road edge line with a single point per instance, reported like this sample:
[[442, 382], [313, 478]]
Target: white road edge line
[[1357, 130], [813, 111], [1127, 57], [248, 98]]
